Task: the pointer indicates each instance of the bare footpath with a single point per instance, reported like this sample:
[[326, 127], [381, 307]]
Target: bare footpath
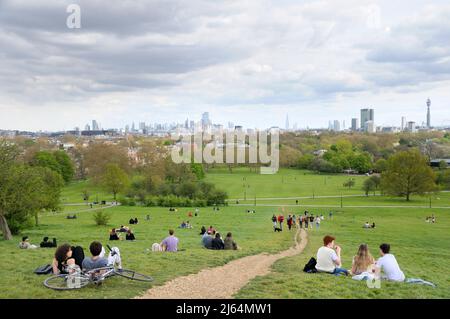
[[224, 281]]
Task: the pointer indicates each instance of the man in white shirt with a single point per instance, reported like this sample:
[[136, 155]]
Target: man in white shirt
[[388, 264], [329, 257]]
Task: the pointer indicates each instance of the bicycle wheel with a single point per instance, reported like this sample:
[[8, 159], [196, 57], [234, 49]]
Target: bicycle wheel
[[64, 282], [130, 274]]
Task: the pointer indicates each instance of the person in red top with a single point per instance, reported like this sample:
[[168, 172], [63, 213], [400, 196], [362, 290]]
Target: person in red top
[[289, 222], [281, 220], [190, 214]]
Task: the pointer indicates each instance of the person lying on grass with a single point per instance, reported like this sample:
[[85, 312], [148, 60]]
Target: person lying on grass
[[25, 243], [388, 264], [329, 257]]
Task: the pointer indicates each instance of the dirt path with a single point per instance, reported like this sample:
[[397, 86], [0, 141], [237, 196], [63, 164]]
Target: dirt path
[[224, 281]]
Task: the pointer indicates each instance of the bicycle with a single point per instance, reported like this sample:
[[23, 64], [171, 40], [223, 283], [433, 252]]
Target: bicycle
[[78, 279]]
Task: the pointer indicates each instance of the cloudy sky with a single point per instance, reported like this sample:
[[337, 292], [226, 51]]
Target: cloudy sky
[[246, 61]]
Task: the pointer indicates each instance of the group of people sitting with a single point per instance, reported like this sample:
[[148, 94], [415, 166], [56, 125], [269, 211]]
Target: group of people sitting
[[251, 211], [364, 265], [185, 225], [213, 240], [133, 221], [69, 259], [114, 234], [367, 225], [26, 244], [430, 219], [74, 216]]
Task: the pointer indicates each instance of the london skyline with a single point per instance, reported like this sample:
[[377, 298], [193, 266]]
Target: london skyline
[[249, 63]]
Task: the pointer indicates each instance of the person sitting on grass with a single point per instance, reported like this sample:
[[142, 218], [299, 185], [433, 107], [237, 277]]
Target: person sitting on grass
[[183, 225], [373, 225], [25, 243], [113, 235], [229, 243], [203, 230], [207, 239], [67, 259], [131, 221], [329, 257], [366, 225], [188, 225], [130, 235], [136, 221], [388, 264], [211, 229], [96, 261], [362, 261], [123, 229], [217, 243], [170, 243]]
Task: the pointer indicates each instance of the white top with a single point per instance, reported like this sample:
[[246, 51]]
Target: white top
[[325, 259], [389, 265]]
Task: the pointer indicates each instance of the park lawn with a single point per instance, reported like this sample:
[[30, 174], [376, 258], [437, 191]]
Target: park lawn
[[73, 192], [422, 250], [437, 200], [251, 231], [286, 183]]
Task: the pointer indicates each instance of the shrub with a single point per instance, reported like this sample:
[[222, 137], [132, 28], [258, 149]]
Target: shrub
[[101, 218]]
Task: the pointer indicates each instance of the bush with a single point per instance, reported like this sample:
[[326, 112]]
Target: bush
[[101, 218]]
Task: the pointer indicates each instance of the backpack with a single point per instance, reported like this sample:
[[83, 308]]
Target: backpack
[[310, 267], [43, 270]]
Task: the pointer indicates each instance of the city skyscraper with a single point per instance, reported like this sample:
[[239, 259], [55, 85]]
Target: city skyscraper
[[336, 126], [403, 123], [95, 125], [355, 124], [205, 119], [428, 113], [287, 121], [366, 116]]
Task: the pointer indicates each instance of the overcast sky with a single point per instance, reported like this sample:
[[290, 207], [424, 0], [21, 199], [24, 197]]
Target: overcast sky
[[251, 62]]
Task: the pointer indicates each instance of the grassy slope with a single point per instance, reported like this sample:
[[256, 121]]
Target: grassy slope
[[250, 231], [417, 247], [422, 251]]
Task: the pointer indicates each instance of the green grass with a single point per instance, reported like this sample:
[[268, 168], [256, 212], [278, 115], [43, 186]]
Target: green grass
[[286, 183], [422, 249], [252, 232]]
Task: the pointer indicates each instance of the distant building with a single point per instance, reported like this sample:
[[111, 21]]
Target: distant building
[[287, 121], [369, 127], [336, 126], [428, 113], [95, 126], [412, 127], [403, 123], [355, 124], [366, 116]]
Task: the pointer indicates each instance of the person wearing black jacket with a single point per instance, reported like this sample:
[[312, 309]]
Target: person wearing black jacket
[[48, 244], [217, 243]]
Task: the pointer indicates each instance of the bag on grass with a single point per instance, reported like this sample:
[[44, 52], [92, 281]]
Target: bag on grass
[[43, 270], [310, 267]]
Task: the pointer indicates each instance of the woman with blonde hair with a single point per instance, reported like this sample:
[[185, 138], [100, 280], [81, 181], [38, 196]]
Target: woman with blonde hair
[[362, 261]]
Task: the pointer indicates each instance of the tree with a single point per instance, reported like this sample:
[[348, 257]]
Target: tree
[[197, 170], [380, 165], [368, 186], [444, 179], [66, 167], [350, 183], [361, 162], [114, 179], [408, 173], [46, 159], [443, 165]]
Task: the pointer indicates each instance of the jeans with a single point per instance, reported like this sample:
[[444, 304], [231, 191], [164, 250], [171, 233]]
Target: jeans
[[337, 271]]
